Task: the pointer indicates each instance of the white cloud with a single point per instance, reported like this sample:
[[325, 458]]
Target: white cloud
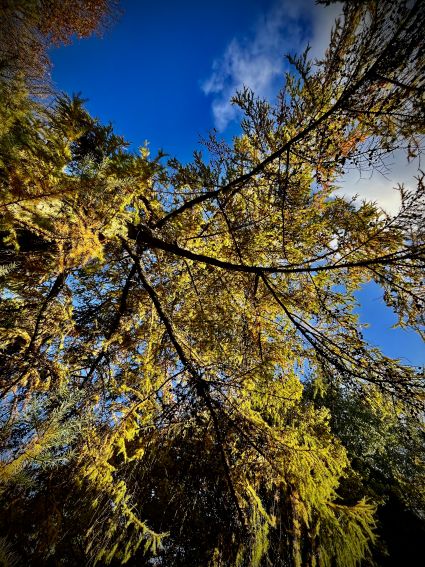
[[323, 19], [379, 187], [257, 60]]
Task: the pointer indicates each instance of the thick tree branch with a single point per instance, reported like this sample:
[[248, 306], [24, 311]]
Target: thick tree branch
[[54, 292], [146, 237], [114, 326]]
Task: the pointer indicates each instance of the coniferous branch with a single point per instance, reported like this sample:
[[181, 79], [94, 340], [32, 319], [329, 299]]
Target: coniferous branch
[[369, 75], [201, 385], [146, 237]]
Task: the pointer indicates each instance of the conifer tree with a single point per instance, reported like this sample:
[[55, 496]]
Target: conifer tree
[[30, 27], [179, 351]]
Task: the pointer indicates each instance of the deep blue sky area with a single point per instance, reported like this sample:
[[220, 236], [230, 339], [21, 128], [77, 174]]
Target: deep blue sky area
[[164, 73], [401, 343], [145, 73]]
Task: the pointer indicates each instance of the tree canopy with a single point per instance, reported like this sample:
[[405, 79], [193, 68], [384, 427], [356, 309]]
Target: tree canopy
[[184, 380], [30, 27]]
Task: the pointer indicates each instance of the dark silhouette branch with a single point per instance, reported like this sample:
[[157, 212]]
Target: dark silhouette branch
[[115, 324], [146, 237]]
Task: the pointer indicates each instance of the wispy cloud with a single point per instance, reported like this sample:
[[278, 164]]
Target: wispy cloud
[[380, 186], [257, 59]]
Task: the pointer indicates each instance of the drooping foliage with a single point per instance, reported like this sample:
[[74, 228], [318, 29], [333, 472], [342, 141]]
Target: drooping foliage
[[184, 380]]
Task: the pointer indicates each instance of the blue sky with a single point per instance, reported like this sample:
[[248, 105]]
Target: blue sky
[[165, 72]]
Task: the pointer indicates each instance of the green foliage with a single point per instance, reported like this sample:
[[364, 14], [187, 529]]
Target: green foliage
[[183, 378], [386, 449]]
